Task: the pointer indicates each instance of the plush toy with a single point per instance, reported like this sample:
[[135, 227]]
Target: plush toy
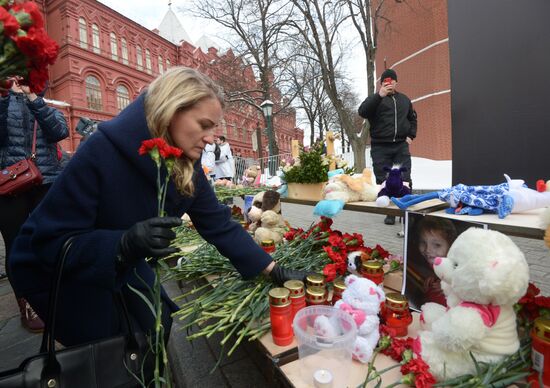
[[224, 183], [265, 215], [393, 186], [503, 199], [251, 176], [361, 299], [355, 259], [344, 188], [483, 276]]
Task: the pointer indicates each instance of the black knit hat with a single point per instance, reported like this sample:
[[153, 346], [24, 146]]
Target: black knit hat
[[388, 73]]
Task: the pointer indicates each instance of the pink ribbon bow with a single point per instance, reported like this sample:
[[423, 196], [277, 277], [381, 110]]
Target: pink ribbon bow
[[359, 316]]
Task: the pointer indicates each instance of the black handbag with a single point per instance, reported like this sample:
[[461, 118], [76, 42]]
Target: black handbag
[[111, 362]]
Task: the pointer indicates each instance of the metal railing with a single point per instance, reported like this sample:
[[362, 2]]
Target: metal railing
[[269, 166]]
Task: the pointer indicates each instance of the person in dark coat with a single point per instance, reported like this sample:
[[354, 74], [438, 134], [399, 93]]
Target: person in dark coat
[[106, 200], [393, 125], [19, 110]]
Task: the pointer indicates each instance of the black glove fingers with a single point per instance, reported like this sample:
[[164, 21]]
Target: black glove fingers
[[164, 233], [165, 222]]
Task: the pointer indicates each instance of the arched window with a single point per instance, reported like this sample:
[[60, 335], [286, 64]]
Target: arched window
[[161, 66], [114, 47], [148, 61], [122, 97], [139, 58], [167, 64], [95, 39], [124, 47], [83, 33], [93, 93]]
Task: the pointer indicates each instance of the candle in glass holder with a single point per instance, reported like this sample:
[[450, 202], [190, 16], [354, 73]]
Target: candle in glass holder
[[280, 314], [322, 378], [540, 352], [338, 287], [315, 280], [373, 270], [316, 296], [268, 246], [297, 295], [396, 314]]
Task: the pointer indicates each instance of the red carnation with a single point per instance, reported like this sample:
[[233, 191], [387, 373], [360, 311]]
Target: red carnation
[[168, 152], [416, 365], [37, 79], [424, 380], [9, 22], [148, 145], [30, 8], [38, 46], [330, 272]]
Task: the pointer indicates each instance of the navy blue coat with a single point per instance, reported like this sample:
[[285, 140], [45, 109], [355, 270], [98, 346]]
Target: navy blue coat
[[17, 116], [105, 189]]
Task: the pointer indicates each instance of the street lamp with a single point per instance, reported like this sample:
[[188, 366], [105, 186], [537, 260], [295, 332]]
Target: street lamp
[[267, 109]]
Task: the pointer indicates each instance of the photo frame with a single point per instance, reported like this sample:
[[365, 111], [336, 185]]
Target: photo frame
[[427, 237]]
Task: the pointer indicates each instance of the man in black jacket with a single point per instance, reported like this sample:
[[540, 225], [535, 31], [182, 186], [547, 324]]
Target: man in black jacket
[[393, 128]]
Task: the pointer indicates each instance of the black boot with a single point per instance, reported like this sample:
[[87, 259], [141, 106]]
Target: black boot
[[389, 220]]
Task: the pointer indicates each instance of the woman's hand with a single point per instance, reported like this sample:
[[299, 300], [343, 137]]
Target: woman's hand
[[280, 274]]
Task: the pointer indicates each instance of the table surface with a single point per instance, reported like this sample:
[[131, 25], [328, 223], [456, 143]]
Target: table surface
[[370, 207], [358, 371], [526, 224]]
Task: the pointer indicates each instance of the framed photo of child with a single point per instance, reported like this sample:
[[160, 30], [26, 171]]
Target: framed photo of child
[[426, 238]]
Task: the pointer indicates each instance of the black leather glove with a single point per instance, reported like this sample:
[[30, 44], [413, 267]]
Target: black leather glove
[[279, 274], [149, 238]]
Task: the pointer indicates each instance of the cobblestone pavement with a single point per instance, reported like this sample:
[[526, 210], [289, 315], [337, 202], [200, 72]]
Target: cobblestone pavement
[[193, 361]]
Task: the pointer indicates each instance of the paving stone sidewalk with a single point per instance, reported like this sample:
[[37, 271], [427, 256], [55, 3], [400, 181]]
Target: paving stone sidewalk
[[192, 362]]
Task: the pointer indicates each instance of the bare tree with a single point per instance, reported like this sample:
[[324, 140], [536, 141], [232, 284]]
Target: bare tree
[[319, 27], [256, 36]]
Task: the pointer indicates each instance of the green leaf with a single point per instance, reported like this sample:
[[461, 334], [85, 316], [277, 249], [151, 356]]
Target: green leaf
[[145, 299]]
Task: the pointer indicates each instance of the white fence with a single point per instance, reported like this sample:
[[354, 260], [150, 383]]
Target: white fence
[[268, 166]]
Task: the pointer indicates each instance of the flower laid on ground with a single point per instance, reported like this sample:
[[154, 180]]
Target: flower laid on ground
[[26, 50], [532, 305], [164, 156]]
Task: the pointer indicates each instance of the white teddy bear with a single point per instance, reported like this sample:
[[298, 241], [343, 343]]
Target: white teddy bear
[[361, 299], [483, 276]]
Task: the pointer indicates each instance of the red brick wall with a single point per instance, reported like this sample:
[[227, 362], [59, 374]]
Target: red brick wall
[[412, 26], [74, 64]]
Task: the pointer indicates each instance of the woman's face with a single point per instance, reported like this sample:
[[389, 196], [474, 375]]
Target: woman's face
[[193, 128], [432, 244]]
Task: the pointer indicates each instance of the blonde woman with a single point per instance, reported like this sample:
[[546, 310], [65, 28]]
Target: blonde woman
[[106, 200]]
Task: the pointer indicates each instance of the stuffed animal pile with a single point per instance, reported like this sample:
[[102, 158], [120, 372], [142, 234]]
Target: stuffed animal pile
[[393, 186], [265, 215], [483, 276], [361, 299], [344, 188]]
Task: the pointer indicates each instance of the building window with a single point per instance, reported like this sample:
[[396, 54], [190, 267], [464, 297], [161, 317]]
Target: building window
[[148, 61], [122, 97], [167, 63], [83, 33], [95, 39], [161, 66], [124, 47], [93, 93], [139, 58], [114, 47]]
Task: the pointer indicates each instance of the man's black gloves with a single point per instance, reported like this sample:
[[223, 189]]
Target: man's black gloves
[[149, 238], [279, 274]]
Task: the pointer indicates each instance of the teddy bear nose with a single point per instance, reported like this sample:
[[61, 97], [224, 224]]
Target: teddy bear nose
[[438, 261]]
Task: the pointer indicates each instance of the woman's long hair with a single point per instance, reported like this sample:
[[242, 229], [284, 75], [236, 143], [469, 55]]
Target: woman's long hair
[[178, 89]]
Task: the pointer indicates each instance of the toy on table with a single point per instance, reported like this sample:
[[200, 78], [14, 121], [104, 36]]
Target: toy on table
[[251, 176], [265, 215], [503, 199], [344, 188], [483, 275], [224, 183], [361, 299], [393, 186]]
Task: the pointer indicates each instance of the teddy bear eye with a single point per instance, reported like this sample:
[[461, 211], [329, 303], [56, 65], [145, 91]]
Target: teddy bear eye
[[455, 265]]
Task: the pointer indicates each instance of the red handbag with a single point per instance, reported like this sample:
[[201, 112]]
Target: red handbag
[[23, 175]]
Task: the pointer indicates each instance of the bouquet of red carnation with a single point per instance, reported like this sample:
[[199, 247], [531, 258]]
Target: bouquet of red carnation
[[26, 50]]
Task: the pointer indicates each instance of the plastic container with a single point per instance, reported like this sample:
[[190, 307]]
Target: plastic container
[[325, 358]]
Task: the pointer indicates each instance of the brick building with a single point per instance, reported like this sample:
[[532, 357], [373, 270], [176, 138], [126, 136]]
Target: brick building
[[106, 60], [414, 41]]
